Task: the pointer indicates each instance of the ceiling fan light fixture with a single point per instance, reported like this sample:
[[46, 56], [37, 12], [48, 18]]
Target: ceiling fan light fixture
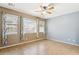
[[46, 9]]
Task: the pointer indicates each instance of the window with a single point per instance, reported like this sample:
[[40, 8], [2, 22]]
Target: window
[[29, 26], [10, 23], [41, 26]]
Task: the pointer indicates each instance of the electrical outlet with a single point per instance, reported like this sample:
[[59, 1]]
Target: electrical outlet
[[73, 40]]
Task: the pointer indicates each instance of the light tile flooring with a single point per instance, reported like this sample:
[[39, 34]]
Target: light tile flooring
[[43, 47]]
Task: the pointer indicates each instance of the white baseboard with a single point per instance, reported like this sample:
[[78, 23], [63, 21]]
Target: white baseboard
[[64, 42]]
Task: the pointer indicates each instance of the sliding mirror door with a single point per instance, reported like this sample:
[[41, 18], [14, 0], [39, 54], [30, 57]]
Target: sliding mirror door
[[0, 28], [10, 29], [29, 29]]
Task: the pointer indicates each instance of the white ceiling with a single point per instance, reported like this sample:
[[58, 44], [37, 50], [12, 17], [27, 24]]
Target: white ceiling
[[30, 8]]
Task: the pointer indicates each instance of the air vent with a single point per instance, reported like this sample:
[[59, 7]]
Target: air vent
[[11, 4]]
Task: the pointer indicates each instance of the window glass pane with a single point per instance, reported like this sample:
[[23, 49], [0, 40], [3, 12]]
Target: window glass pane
[[41, 26], [29, 26], [10, 23], [10, 19]]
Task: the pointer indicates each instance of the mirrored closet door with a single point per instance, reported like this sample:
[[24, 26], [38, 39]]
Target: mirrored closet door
[[10, 29], [0, 29], [29, 29]]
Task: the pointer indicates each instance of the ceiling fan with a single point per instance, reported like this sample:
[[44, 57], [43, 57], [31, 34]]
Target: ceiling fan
[[46, 9]]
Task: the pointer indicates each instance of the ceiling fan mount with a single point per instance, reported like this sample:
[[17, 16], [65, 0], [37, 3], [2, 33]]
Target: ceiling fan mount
[[44, 7]]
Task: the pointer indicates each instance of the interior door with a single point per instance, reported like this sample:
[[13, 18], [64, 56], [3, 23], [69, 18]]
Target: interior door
[[29, 29], [11, 35]]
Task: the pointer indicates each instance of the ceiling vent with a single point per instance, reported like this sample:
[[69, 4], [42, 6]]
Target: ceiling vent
[[11, 4]]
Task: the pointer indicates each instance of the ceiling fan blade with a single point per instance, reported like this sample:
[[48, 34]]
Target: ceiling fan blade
[[49, 8], [48, 12], [38, 11]]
